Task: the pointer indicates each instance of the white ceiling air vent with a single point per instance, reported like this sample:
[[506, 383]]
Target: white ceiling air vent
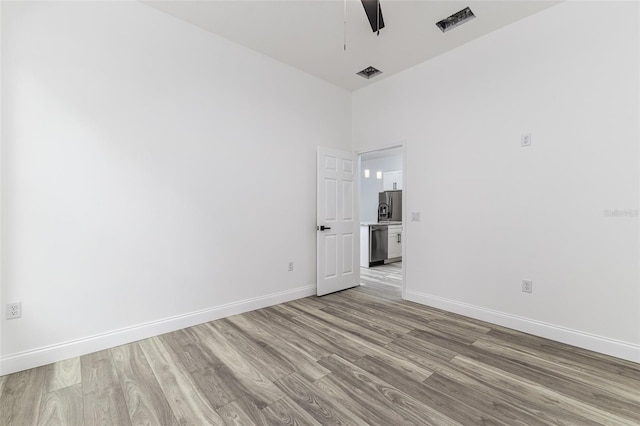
[[369, 72], [456, 19]]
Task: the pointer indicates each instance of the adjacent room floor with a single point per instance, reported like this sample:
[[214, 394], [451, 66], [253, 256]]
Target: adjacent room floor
[[389, 275], [360, 356]]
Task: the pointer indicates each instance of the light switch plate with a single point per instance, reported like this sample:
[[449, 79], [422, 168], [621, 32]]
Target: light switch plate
[[415, 216]]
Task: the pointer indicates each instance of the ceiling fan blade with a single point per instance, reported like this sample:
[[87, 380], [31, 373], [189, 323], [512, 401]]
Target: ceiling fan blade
[[374, 14]]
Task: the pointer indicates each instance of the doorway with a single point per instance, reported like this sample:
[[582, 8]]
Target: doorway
[[382, 219]]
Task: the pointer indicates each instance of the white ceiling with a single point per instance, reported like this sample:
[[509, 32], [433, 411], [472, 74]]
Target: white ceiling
[[309, 34]]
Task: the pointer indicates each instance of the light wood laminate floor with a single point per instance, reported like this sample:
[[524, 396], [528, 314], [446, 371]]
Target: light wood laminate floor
[[361, 356]]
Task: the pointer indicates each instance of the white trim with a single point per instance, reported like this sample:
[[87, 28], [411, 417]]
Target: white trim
[[405, 218], [604, 345], [46, 355]]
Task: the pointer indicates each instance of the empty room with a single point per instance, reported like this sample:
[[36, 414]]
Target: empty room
[[313, 212]]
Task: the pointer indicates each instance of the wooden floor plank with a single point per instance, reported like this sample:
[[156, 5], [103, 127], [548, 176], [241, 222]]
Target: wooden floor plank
[[290, 332], [390, 399], [285, 353], [568, 386], [551, 381], [62, 407], [189, 406], [426, 349], [485, 402], [357, 401], [624, 382], [368, 315], [455, 408], [403, 365], [330, 339], [213, 377], [605, 364], [255, 385], [103, 400], [143, 395], [448, 338], [312, 301], [105, 407], [286, 412], [621, 398], [572, 410], [242, 412], [347, 325], [471, 381], [396, 311], [193, 355], [377, 326], [21, 397], [259, 355], [64, 373], [313, 401], [233, 415]]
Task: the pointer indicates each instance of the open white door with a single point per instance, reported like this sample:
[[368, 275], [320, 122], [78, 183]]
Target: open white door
[[337, 219]]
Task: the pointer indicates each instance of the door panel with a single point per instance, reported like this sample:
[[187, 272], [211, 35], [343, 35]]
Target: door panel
[[330, 256], [338, 258], [331, 197], [347, 201], [347, 250]]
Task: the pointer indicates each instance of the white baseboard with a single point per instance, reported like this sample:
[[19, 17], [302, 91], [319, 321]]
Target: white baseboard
[[604, 345], [46, 355]]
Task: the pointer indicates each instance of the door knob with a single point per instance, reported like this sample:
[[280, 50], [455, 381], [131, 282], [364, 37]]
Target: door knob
[[324, 228]]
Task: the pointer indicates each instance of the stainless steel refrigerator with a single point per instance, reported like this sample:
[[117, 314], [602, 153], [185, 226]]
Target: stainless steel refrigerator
[[390, 206]]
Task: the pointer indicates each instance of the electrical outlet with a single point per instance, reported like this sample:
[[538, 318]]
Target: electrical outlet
[[527, 286], [415, 216], [290, 266], [14, 310], [525, 139]]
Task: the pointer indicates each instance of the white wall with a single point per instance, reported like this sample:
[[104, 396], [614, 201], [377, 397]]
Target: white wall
[[371, 186], [494, 213], [153, 176]]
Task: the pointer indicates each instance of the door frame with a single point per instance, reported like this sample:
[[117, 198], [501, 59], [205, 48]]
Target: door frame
[[405, 229]]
